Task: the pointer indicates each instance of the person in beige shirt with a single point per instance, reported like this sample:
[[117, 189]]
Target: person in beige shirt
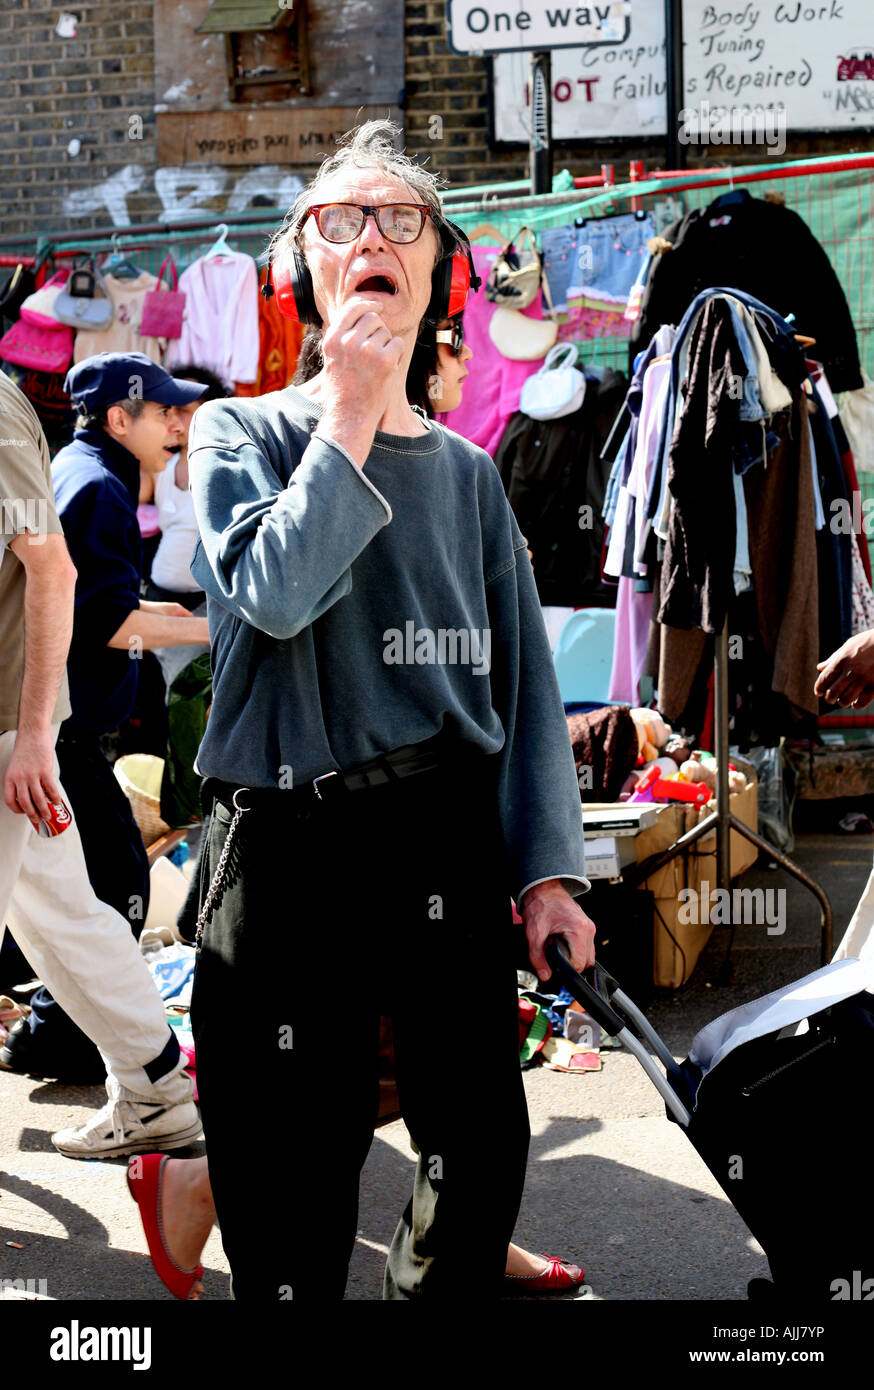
[[81, 948]]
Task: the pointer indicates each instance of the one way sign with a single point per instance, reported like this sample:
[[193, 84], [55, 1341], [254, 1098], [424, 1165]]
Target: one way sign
[[511, 26]]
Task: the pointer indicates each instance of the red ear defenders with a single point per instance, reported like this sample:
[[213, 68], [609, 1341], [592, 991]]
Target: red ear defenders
[[451, 280]]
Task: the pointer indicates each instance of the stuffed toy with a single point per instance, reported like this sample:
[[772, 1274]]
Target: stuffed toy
[[652, 733], [678, 748], [696, 770]]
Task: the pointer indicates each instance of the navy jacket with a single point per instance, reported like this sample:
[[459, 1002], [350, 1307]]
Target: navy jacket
[[96, 482]]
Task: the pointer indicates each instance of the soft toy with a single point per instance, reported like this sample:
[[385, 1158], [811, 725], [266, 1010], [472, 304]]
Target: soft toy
[[678, 748], [652, 733], [695, 769]]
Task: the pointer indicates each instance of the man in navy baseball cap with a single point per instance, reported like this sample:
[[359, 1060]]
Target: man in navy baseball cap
[[134, 401]]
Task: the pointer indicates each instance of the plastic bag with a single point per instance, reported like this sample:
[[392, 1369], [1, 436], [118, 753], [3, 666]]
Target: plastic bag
[[776, 794], [857, 418]]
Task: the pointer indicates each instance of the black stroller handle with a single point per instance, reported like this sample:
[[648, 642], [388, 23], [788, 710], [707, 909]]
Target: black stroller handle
[[599, 998], [594, 992]]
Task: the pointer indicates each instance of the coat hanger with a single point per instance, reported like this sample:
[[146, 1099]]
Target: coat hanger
[[486, 229], [801, 338], [734, 195], [118, 265], [220, 245]]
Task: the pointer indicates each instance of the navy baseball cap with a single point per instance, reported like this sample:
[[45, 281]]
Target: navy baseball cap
[[108, 377]]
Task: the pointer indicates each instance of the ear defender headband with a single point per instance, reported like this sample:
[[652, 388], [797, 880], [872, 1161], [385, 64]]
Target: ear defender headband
[[289, 279]]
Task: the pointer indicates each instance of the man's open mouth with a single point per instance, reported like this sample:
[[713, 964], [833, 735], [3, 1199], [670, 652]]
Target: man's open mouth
[[376, 284]]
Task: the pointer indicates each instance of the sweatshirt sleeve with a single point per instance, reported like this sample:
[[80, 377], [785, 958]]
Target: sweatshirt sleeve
[[539, 795], [277, 556]]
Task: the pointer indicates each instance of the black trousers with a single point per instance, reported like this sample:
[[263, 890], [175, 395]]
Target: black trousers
[[399, 893], [118, 869]]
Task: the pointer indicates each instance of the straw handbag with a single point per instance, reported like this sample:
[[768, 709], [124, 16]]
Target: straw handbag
[[139, 776]]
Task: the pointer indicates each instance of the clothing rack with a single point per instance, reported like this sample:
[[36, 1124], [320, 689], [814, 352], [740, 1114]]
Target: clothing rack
[[657, 184], [660, 182], [723, 820]]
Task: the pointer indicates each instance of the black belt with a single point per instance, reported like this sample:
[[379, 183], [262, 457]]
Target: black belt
[[413, 758]]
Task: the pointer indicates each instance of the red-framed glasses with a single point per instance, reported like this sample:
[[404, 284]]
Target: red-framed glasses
[[401, 223]]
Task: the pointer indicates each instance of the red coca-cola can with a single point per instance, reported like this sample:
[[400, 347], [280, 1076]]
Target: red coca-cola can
[[59, 820]]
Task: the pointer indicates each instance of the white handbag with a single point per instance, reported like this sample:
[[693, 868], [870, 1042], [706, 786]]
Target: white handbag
[[520, 338], [557, 388]]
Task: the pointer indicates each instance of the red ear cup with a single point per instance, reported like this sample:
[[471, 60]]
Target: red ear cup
[[459, 285], [283, 288], [293, 287], [454, 275]]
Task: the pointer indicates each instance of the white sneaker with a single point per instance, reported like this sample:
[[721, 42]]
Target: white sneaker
[[130, 1124]]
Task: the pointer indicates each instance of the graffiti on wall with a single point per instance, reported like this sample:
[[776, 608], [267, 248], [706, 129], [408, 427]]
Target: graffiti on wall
[[186, 191]]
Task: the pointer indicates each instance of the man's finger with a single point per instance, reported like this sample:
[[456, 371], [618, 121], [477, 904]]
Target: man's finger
[[41, 795], [23, 797], [837, 684]]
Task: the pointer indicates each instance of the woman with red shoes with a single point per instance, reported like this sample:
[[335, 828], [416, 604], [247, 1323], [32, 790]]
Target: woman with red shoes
[[174, 1195]]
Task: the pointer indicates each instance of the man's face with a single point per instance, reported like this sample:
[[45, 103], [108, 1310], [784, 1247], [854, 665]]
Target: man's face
[[339, 269], [156, 434]]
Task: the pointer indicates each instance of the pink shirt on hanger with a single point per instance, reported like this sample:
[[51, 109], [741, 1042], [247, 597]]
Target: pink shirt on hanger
[[220, 327]]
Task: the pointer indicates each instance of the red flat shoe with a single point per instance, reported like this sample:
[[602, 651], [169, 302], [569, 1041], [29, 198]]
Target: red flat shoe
[[558, 1276], [145, 1189]]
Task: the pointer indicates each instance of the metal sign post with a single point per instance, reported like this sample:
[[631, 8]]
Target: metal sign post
[[540, 147], [675, 150]]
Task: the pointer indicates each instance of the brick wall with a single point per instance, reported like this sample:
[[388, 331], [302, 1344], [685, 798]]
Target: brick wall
[[54, 89]]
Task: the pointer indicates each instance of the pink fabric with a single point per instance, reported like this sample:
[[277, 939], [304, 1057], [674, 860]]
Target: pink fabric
[[220, 327], [633, 612], [491, 393]]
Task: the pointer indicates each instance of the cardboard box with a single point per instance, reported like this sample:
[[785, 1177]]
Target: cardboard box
[[677, 945]]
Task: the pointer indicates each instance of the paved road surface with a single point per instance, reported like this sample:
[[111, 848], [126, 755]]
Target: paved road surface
[[611, 1182]]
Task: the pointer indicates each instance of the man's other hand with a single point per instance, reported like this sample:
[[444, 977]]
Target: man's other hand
[[847, 677], [30, 782]]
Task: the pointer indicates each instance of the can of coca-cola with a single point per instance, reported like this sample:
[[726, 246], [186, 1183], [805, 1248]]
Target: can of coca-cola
[[59, 820]]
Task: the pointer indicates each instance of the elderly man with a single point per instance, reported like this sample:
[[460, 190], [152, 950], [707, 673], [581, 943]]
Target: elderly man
[[388, 764]]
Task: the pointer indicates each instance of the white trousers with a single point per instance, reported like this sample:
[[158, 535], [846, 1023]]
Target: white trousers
[[858, 939], [81, 948]]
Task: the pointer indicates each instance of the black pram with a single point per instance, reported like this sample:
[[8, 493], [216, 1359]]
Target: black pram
[[773, 1096]]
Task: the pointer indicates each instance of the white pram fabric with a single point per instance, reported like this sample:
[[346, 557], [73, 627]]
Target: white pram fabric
[[784, 1008], [858, 939]]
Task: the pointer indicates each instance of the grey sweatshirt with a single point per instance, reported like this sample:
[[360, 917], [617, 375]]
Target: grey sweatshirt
[[354, 611]]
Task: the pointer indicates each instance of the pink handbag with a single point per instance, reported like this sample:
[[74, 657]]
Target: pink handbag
[[163, 309], [41, 349], [37, 308]]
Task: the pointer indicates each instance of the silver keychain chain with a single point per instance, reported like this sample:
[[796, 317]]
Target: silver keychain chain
[[218, 876]]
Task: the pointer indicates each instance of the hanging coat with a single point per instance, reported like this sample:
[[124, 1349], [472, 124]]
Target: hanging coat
[[767, 250]]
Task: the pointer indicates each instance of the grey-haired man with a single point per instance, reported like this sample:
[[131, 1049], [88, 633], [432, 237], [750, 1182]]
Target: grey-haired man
[[373, 816]]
